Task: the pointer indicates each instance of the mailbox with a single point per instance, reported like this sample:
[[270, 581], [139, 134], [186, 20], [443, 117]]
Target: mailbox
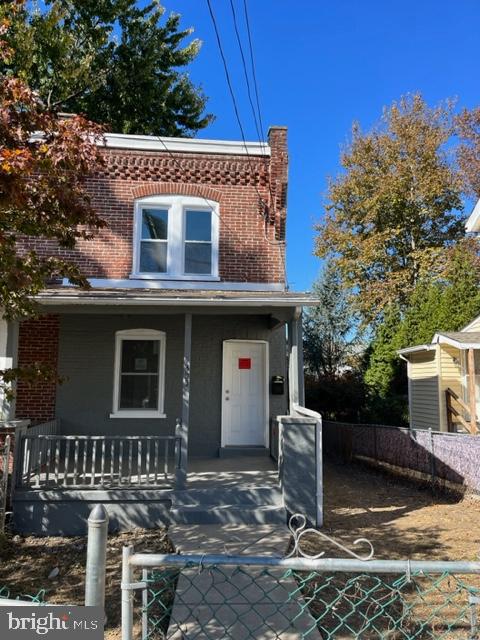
[[278, 385]]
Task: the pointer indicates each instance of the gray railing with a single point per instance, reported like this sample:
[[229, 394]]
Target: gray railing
[[4, 473], [60, 461]]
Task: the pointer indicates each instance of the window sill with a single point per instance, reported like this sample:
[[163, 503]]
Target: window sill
[[138, 414], [163, 276]]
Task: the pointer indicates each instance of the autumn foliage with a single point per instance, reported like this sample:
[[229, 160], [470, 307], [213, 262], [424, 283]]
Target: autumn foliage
[[44, 160]]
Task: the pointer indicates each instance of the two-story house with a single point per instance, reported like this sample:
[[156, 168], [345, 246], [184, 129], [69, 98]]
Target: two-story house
[[186, 345]]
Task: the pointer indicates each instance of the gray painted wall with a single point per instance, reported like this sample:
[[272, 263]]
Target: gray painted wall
[[86, 359], [300, 470]]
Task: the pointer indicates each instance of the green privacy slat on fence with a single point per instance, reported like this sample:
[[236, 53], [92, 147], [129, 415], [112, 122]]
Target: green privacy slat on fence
[[307, 604]]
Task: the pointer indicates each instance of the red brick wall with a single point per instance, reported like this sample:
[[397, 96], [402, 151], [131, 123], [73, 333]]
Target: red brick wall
[[38, 342], [250, 250]]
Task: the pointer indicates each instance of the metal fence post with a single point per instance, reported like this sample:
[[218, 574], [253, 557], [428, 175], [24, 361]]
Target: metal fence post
[[127, 594], [96, 557], [432, 459]]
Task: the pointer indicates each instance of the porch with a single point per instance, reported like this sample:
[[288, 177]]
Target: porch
[[58, 479], [187, 388]]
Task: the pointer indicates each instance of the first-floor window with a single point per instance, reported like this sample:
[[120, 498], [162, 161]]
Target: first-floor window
[[139, 373]]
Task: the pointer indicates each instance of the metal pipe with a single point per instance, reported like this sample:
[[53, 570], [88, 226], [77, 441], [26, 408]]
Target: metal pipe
[[318, 474], [127, 594], [307, 564], [96, 557]]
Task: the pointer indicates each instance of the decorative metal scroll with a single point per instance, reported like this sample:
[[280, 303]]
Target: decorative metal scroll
[[298, 527]]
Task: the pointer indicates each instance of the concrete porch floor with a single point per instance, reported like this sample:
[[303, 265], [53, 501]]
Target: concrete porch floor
[[230, 472]]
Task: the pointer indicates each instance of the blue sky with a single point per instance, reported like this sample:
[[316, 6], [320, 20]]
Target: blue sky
[[321, 64]]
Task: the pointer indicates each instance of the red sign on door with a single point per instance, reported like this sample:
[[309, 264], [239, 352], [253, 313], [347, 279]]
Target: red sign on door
[[244, 363]]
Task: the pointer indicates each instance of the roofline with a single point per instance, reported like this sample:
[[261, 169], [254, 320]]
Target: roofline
[[416, 349], [187, 145], [467, 327], [440, 338], [472, 225], [66, 300]]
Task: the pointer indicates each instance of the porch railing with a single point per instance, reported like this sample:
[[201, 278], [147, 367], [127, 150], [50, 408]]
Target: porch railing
[[96, 462], [457, 410]]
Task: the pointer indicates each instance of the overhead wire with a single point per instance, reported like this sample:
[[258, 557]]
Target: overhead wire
[[278, 243]]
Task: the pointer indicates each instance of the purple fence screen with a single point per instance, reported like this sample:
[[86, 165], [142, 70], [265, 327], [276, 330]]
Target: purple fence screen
[[450, 457]]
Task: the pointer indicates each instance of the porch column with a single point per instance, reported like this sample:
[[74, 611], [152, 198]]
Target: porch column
[[8, 359], [472, 400], [187, 352], [295, 365]]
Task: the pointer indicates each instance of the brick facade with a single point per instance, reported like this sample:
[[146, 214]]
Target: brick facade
[[251, 192], [37, 343]]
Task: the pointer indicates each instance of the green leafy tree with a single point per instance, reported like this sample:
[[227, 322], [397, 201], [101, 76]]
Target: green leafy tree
[[445, 304], [117, 62], [42, 194], [395, 207], [330, 329], [331, 348]]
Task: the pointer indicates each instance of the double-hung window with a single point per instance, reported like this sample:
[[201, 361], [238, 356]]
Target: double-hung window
[[139, 374], [176, 237]]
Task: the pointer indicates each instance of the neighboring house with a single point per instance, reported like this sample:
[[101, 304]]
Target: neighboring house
[[443, 394], [444, 376], [187, 343]]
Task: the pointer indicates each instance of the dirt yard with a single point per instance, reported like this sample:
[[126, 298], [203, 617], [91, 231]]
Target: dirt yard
[[400, 519], [26, 563]]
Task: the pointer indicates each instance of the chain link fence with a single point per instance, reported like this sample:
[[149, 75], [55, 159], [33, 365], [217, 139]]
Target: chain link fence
[[24, 600], [250, 597]]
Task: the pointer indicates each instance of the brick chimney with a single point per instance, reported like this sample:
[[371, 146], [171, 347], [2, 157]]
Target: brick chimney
[[277, 139]]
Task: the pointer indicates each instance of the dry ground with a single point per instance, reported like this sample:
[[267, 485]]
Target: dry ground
[[400, 519]]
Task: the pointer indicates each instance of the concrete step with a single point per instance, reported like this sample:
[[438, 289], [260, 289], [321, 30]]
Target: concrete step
[[242, 452], [247, 495], [228, 514]]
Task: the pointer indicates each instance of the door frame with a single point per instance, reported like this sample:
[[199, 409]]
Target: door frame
[[266, 345]]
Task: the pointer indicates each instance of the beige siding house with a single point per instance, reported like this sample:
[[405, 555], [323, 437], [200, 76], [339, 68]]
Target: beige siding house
[[444, 376], [444, 381]]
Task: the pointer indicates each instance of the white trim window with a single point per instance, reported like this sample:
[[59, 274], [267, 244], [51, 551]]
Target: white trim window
[[175, 238], [139, 374]]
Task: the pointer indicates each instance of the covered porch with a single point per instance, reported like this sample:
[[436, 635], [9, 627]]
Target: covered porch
[[232, 365]]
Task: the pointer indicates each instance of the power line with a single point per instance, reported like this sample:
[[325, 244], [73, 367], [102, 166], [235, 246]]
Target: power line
[[232, 95], [279, 243], [252, 62], [257, 126]]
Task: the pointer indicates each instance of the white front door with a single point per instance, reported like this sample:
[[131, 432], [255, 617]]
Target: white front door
[[244, 393]]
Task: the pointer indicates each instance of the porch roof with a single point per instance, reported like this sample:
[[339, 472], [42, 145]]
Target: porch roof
[[178, 297], [458, 339]]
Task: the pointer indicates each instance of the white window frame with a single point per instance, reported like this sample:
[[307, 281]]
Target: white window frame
[[139, 334], [176, 206]]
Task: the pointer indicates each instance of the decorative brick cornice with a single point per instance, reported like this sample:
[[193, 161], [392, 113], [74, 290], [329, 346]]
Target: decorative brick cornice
[[177, 188], [196, 169]]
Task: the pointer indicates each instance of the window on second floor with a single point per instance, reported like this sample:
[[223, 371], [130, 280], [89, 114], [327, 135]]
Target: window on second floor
[[176, 237]]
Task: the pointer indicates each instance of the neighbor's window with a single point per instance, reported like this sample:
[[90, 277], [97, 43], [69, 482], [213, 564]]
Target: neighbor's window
[[139, 373], [176, 237]]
